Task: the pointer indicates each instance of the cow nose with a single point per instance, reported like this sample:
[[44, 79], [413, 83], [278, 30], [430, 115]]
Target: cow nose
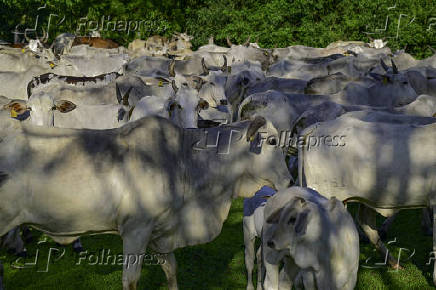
[[223, 102], [270, 244]]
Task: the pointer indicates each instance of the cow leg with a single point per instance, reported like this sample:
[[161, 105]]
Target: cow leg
[[77, 246], [426, 221], [259, 268], [367, 220], [1, 276], [434, 242], [271, 276], [27, 234], [134, 244], [383, 230], [249, 239], [288, 274], [170, 269], [13, 242], [309, 280]]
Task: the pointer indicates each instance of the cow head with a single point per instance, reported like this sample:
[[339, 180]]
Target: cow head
[[265, 160], [212, 89], [292, 222], [393, 85], [43, 107], [184, 108], [377, 43]]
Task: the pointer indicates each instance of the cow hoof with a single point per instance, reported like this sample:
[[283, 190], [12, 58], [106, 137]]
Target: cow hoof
[[383, 235], [427, 232], [363, 238], [78, 250], [397, 266], [22, 254], [28, 240]]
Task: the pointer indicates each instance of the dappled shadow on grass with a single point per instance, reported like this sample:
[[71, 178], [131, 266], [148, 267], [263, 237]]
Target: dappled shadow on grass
[[216, 265], [405, 233]]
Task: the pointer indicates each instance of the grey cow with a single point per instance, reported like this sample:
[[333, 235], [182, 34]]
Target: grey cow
[[151, 182]]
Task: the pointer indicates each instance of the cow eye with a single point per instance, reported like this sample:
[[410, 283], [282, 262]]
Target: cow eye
[[272, 141], [291, 220], [405, 83], [211, 83], [185, 84], [53, 108]]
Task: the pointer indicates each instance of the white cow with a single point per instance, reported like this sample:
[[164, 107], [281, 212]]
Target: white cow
[[386, 164], [252, 223], [123, 169], [318, 235], [43, 109], [424, 106]]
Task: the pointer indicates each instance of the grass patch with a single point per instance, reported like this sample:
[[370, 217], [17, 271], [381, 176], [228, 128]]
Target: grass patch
[[216, 265]]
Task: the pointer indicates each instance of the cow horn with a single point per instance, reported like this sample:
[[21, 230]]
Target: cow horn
[[431, 48], [211, 40], [224, 67], [171, 68], [229, 43], [254, 126], [26, 37], [332, 203], [247, 42], [44, 36], [126, 97], [383, 64], [394, 67], [370, 38], [205, 68], [119, 97], [173, 84]]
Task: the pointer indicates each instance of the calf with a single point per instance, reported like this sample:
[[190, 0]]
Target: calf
[[317, 234]]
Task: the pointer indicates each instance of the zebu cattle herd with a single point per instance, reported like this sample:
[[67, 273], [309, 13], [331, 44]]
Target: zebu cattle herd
[[153, 142]]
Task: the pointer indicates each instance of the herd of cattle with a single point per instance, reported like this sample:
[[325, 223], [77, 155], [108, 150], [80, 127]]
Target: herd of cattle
[[152, 142]]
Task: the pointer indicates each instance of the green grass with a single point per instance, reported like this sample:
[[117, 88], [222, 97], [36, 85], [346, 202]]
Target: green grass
[[216, 265]]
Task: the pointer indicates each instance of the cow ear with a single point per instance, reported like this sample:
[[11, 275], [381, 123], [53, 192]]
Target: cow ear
[[302, 222], [203, 104], [332, 203], [16, 108], [275, 216], [376, 76], [64, 106], [254, 127], [383, 78]]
